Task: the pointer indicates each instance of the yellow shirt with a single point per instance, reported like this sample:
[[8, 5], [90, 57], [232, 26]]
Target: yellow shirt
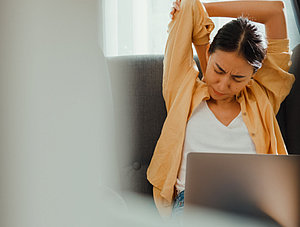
[[183, 91]]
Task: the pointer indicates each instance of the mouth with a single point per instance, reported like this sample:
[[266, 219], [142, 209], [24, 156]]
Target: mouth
[[217, 93]]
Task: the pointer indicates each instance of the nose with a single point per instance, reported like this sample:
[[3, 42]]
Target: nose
[[224, 83]]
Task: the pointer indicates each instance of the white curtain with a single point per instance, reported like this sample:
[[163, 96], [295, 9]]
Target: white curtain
[[133, 27]]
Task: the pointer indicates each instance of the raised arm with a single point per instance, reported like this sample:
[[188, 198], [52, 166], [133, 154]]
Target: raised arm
[[273, 77], [190, 24], [269, 13]]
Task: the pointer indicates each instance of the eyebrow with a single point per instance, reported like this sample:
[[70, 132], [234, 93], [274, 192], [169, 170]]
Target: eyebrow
[[220, 68]]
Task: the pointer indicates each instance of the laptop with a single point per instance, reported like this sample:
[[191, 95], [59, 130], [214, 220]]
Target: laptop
[[265, 187]]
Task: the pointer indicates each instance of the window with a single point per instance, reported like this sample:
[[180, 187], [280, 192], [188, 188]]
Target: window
[[133, 27]]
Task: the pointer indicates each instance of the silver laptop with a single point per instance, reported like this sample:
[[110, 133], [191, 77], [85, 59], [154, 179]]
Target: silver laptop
[[260, 186]]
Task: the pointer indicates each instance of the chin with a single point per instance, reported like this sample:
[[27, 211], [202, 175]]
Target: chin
[[220, 97]]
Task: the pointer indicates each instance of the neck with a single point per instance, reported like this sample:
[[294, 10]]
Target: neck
[[224, 102]]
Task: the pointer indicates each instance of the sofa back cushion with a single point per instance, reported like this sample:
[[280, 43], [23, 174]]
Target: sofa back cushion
[[140, 113]]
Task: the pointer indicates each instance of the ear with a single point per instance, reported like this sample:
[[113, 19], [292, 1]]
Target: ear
[[207, 54]]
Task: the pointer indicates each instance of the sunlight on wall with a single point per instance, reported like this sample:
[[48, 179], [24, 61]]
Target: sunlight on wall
[[133, 27]]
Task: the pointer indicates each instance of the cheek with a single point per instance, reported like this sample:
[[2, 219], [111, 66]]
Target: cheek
[[238, 87], [210, 77]]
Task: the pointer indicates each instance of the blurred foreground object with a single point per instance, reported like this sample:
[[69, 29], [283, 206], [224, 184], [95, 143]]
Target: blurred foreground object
[[57, 156]]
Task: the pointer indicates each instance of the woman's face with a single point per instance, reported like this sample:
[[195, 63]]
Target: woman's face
[[227, 73]]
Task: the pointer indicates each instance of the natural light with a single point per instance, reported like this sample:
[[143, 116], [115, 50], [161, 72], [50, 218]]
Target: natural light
[[134, 27]]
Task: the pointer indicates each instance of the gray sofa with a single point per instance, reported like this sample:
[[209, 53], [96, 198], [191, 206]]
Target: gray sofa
[[140, 113]]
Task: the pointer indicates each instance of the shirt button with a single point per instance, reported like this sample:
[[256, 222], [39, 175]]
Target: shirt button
[[244, 113], [252, 134]]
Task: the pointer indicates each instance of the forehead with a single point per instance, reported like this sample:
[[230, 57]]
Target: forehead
[[231, 62]]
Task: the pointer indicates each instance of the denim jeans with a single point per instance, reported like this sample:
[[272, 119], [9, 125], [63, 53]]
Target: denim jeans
[[178, 205]]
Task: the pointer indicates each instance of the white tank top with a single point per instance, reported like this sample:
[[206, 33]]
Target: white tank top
[[205, 133]]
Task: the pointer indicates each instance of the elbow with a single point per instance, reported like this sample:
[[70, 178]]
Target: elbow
[[275, 22], [281, 4], [278, 7], [272, 9]]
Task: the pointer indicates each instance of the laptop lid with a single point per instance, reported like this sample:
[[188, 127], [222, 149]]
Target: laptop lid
[[259, 186]]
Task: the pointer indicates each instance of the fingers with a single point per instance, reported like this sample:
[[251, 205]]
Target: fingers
[[175, 8], [176, 5], [172, 13]]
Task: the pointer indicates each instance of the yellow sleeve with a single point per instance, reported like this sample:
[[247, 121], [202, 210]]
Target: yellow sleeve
[[190, 25], [163, 206], [273, 75]]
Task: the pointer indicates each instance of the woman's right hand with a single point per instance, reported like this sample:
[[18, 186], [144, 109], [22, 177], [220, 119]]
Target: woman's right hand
[[175, 8]]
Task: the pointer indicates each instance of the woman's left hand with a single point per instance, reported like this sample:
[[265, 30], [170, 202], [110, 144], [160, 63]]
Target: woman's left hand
[[175, 8]]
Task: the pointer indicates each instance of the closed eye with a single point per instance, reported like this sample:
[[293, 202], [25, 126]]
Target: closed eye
[[220, 68], [218, 72], [238, 78]]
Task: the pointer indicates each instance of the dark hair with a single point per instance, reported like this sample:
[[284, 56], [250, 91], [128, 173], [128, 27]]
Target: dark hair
[[240, 35]]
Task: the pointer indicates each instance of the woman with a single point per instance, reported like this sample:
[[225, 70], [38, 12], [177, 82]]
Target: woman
[[237, 99]]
